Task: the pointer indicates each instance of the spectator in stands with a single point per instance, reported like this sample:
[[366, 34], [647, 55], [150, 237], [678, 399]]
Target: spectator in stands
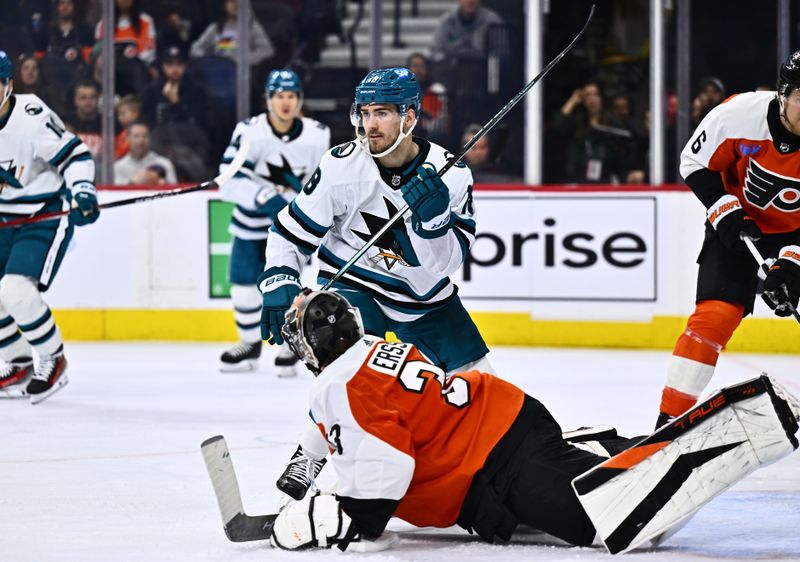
[[28, 79], [134, 31], [593, 154], [433, 120], [634, 148], [84, 119], [67, 37], [462, 31], [482, 158], [220, 38], [174, 98], [129, 110], [142, 166], [710, 94]]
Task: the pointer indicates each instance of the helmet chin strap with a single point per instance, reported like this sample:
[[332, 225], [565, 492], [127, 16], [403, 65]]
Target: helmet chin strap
[[7, 89], [363, 140]]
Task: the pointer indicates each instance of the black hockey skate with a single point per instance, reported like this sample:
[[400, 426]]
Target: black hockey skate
[[663, 419], [50, 376], [241, 357], [15, 376], [286, 362], [300, 473], [590, 438]]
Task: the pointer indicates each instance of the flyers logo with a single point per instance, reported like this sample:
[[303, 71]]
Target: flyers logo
[[763, 189]]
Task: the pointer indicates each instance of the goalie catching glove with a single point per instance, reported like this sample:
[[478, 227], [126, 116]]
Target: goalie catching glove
[[782, 284], [731, 223], [319, 521]]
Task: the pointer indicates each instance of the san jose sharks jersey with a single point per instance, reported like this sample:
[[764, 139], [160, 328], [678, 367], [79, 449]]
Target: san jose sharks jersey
[[281, 163], [347, 200], [757, 158], [39, 158]]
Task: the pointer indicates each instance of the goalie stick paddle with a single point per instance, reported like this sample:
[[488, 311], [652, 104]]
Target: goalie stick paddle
[[763, 269], [235, 165], [455, 159], [239, 527]]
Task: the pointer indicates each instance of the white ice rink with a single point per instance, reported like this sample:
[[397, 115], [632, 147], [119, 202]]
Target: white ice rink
[[109, 469]]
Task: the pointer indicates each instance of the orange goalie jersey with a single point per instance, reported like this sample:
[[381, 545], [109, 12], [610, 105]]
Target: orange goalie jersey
[[400, 430], [759, 161]]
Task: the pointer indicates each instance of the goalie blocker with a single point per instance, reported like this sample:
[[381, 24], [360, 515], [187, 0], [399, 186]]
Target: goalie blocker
[[648, 492]]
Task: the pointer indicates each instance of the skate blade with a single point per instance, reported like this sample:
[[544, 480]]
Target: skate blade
[[240, 367], [13, 393], [42, 396], [286, 372]]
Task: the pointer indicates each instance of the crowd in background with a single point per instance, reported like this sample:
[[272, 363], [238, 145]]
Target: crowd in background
[[175, 73]]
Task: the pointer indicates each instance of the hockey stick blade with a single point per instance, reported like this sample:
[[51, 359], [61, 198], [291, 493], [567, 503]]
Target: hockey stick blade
[[457, 158], [239, 527], [230, 171]]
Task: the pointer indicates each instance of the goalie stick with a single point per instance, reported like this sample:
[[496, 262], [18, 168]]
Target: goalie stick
[[453, 161], [763, 269], [239, 527], [235, 165]]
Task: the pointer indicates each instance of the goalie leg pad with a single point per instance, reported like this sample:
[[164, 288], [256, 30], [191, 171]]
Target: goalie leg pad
[[648, 490]]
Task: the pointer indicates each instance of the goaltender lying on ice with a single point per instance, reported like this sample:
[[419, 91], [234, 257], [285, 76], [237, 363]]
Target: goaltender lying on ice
[[474, 450]]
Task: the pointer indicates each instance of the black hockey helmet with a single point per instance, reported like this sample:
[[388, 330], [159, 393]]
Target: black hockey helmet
[[320, 326], [789, 75]]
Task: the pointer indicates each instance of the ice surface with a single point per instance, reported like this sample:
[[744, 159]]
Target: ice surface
[[109, 468]]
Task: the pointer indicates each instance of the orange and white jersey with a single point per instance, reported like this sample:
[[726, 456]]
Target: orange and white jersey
[[400, 430], [140, 44], [759, 161]]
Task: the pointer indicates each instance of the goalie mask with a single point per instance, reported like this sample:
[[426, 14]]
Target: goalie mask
[[6, 75], [320, 326], [283, 81], [395, 86]]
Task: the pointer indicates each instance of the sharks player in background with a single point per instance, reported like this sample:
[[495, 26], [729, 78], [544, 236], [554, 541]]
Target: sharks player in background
[[402, 283], [743, 163], [43, 168], [284, 150]]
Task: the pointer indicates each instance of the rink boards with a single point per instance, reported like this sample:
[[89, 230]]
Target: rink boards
[[565, 266]]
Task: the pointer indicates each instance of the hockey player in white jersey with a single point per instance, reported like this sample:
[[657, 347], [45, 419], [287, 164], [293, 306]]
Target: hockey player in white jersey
[[401, 284], [43, 168], [285, 150]]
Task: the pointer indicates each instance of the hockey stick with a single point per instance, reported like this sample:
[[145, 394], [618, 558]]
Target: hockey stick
[[453, 161], [763, 269], [239, 527], [234, 167]]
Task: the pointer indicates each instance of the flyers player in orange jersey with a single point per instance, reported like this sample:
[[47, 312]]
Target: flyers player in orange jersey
[[743, 163], [407, 441]]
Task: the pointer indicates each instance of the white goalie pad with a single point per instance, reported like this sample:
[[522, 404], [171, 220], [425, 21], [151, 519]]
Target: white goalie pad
[[650, 491]]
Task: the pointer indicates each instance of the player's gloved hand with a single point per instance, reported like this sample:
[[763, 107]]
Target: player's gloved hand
[[316, 520], [319, 521], [279, 286], [429, 200], [84, 204], [270, 202], [782, 285], [731, 222]]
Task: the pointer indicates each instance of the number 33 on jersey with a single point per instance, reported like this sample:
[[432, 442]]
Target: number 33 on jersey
[[398, 428]]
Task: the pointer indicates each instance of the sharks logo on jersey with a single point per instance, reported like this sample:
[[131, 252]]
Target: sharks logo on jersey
[[764, 188], [9, 175], [284, 175], [394, 246]]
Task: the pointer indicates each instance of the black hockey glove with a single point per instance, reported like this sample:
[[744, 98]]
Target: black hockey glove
[[731, 222], [782, 284]]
